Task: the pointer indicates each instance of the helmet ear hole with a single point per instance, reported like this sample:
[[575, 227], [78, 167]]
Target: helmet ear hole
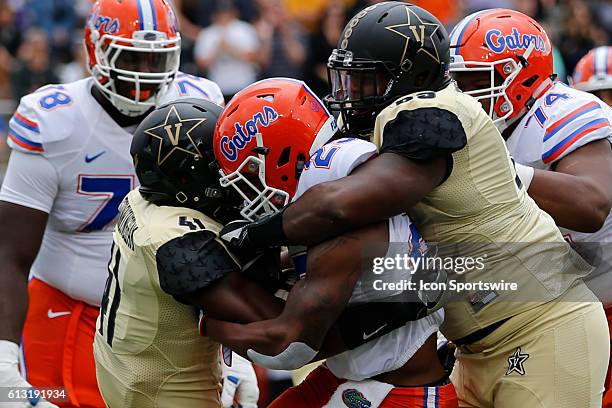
[[284, 157], [528, 82]]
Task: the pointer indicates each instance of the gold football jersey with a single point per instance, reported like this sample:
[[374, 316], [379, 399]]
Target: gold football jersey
[[482, 210], [147, 347]]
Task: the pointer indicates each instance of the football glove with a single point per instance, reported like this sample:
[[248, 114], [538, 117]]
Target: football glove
[[234, 235], [264, 233], [11, 379], [239, 382], [261, 264]]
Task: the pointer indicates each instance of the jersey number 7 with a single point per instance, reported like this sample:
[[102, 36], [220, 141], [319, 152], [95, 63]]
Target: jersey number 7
[[113, 188]]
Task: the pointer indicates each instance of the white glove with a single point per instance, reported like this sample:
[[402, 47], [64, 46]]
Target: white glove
[[239, 378], [10, 377], [525, 173]]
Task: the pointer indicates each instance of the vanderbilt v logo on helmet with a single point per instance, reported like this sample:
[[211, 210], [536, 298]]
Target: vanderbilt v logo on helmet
[[174, 160], [414, 29], [386, 51], [173, 136], [171, 131]]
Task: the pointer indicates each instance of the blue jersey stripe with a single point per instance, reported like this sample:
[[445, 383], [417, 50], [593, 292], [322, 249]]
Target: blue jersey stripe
[[565, 141], [24, 139], [25, 125], [567, 120]]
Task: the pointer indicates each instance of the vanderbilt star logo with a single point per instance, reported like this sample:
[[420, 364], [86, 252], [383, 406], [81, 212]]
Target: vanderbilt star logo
[[515, 362], [419, 30], [171, 130]]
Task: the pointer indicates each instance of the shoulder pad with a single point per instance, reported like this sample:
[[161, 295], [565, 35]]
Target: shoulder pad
[[570, 119], [43, 117], [190, 86], [423, 133], [192, 262]]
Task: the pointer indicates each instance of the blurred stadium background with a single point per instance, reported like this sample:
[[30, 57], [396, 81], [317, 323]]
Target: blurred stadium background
[[40, 40], [236, 42]]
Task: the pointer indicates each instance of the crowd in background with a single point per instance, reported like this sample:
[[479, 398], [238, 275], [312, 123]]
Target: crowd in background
[[236, 42]]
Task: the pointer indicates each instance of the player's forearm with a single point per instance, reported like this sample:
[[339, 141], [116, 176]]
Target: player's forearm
[[268, 336], [376, 191], [311, 309], [17, 252], [574, 202], [13, 301], [225, 300]]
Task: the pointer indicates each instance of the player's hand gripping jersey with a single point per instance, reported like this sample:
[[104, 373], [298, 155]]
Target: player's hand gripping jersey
[[72, 160], [559, 122], [480, 201], [389, 352], [148, 349]]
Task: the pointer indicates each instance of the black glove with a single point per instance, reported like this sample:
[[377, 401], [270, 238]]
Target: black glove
[[261, 264], [264, 233], [233, 234]]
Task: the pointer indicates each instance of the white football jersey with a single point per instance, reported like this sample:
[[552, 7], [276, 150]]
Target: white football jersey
[[335, 160], [72, 160], [559, 122]]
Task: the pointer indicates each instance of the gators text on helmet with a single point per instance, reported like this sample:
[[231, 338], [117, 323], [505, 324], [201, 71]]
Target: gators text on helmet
[[263, 139], [512, 53]]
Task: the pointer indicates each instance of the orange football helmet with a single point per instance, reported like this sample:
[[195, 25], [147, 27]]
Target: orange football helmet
[[594, 71], [514, 49], [133, 50], [263, 139]]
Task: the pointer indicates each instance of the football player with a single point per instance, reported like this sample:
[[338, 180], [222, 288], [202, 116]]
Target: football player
[[147, 348], [593, 74], [443, 161], [559, 137], [69, 169], [399, 368]]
